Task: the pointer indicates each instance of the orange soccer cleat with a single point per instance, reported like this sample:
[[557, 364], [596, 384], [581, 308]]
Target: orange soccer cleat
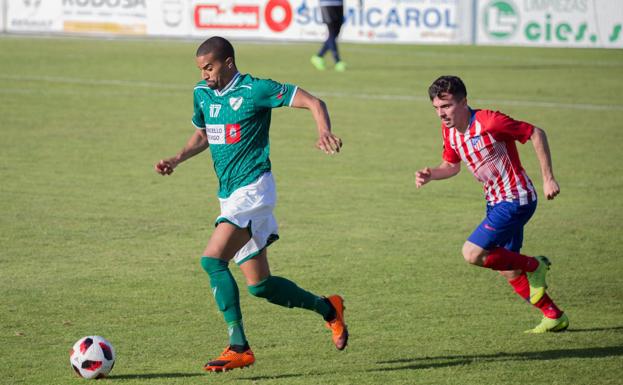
[[229, 360], [337, 325]]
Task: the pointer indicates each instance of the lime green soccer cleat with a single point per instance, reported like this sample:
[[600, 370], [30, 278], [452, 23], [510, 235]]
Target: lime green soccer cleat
[[340, 66], [536, 279], [318, 62], [551, 325]]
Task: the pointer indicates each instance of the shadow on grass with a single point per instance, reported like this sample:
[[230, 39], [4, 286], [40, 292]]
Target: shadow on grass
[[457, 360], [148, 376], [257, 378], [604, 329]]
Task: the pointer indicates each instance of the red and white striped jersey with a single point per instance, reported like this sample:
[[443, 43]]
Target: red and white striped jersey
[[488, 148]]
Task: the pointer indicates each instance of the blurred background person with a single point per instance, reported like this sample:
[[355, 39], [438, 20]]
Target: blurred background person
[[333, 16]]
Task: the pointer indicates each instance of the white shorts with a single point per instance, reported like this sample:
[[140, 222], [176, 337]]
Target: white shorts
[[251, 207]]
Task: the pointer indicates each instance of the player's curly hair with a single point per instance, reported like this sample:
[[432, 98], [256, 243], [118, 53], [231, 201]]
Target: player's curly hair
[[220, 47], [447, 84]]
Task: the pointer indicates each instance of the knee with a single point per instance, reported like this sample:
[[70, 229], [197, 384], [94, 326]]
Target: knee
[[473, 254], [212, 265], [262, 289]]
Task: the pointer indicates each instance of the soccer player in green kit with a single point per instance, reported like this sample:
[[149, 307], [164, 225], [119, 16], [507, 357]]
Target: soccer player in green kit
[[232, 117]]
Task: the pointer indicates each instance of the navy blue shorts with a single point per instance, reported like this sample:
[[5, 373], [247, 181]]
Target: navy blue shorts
[[503, 226]]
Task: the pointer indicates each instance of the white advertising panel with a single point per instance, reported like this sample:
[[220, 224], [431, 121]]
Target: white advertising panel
[[415, 21], [33, 15], [169, 17], [253, 19], [561, 23], [421, 21], [122, 17], [2, 13], [556, 23]]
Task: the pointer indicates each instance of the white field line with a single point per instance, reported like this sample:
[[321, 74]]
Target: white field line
[[526, 103], [96, 82], [489, 58], [341, 95]]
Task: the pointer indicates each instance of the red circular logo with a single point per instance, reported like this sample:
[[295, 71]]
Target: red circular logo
[[273, 24]]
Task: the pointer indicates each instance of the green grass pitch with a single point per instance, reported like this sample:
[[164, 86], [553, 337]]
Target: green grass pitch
[[93, 241]]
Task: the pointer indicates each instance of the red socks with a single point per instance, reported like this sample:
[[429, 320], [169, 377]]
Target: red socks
[[548, 307], [545, 304], [521, 286], [503, 259]]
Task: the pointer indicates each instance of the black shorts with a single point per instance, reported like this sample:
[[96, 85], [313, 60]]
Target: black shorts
[[332, 15]]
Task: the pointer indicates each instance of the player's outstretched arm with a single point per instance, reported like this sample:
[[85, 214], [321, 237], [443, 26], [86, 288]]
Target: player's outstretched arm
[[541, 147], [327, 142], [196, 144], [443, 171]]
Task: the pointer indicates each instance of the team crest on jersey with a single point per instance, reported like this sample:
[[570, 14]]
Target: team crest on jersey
[[477, 143], [235, 103]]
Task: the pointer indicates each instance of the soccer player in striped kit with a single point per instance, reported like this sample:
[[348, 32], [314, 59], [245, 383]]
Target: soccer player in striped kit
[[232, 113], [485, 141]]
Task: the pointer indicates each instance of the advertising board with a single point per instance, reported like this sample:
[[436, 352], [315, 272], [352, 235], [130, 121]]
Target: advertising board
[[546, 23], [121, 17], [410, 21], [559, 23], [2, 14], [169, 18], [33, 16]]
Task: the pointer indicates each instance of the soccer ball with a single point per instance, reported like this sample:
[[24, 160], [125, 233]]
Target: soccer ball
[[92, 357]]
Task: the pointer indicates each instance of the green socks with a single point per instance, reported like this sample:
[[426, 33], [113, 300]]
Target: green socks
[[225, 291], [284, 292], [277, 290]]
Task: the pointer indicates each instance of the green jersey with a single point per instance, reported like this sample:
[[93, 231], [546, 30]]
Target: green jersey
[[236, 120]]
